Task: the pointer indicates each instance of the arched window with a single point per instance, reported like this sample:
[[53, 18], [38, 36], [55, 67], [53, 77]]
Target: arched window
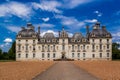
[[19, 55], [100, 55], [26, 55], [43, 55], [107, 54]]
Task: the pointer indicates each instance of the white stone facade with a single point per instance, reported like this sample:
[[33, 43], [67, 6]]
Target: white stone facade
[[31, 46]]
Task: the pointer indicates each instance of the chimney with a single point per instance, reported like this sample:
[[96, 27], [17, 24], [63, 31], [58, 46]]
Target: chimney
[[103, 27], [22, 28], [39, 30], [59, 33], [87, 29]]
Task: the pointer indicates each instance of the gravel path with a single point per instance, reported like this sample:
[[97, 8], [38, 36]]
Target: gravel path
[[65, 70]]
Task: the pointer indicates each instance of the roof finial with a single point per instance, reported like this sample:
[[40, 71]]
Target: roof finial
[[62, 27]]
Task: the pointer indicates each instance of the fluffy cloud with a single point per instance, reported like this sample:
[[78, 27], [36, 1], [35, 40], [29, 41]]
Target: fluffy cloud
[[99, 14], [51, 6], [46, 19], [15, 8], [46, 25], [8, 40], [91, 21], [70, 22], [13, 28], [74, 3]]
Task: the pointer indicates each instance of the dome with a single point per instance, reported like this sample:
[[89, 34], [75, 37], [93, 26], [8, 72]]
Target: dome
[[26, 33], [49, 36], [77, 36]]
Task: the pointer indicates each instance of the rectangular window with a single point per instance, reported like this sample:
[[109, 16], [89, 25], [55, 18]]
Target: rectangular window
[[43, 55], [26, 55], [107, 40], [63, 47], [33, 55], [93, 40], [19, 47], [53, 55], [100, 46], [78, 47], [84, 47], [107, 46], [33, 41], [19, 55], [93, 46], [83, 54], [33, 48], [107, 54], [48, 55], [100, 55], [93, 55], [72, 47], [72, 54], [100, 40], [78, 54], [26, 47]]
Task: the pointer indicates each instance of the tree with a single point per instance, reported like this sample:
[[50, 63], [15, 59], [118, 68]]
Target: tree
[[0, 53], [115, 51], [12, 51]]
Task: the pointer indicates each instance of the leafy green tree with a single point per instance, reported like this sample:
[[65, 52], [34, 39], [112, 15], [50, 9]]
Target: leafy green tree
[[115, 51], [12, 51], [0, 54]]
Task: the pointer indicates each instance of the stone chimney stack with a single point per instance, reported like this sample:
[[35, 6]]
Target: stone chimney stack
[[59, 33], [87, 29], [39, 30]]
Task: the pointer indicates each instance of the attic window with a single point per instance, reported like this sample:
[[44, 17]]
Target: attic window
[[78, 40], [73, 40], [83, 40], [48, 40]]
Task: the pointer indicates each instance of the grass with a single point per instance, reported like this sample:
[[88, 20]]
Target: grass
[[7, 60]]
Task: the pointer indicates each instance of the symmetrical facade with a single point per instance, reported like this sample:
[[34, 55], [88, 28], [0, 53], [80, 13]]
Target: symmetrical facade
[[96, 45]]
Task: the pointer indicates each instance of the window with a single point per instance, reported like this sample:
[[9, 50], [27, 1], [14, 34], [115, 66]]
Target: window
[[33, 41], [107, 46], [72, 47], [26, 55], [33, 48], [107, 54], [63, 47], [100, 46], [48, 47], [100, 55], [53, 55], [107, 40], [26, 40], [84, 47], [93, 46], [19, 47], [26, 47], [48, 55], [93, 40], [78, 47], [83, 54], [43, 55], [93, 55], [33, 55], [63, 41], [19, 55], [72, 54], [100, 40], [39, 47], [78, 54]]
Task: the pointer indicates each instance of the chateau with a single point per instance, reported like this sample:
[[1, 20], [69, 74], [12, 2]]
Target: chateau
[[96, 45]]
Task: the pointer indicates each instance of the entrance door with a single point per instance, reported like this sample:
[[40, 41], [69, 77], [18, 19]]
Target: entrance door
[[63, 56]]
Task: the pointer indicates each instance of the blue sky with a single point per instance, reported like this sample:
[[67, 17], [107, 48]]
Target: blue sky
[[51, 15]]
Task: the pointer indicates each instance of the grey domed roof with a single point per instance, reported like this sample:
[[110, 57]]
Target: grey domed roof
[[77, 36], [49, 36], [99, 33], [27, 33]]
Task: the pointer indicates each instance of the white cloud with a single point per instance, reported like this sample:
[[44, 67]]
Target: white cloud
[[46, 25], [74, 3], [91, 21], [46, 19], [15, 8], [50, 6], [8, 40], [99, 14], [70, 22], [13, 28]]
